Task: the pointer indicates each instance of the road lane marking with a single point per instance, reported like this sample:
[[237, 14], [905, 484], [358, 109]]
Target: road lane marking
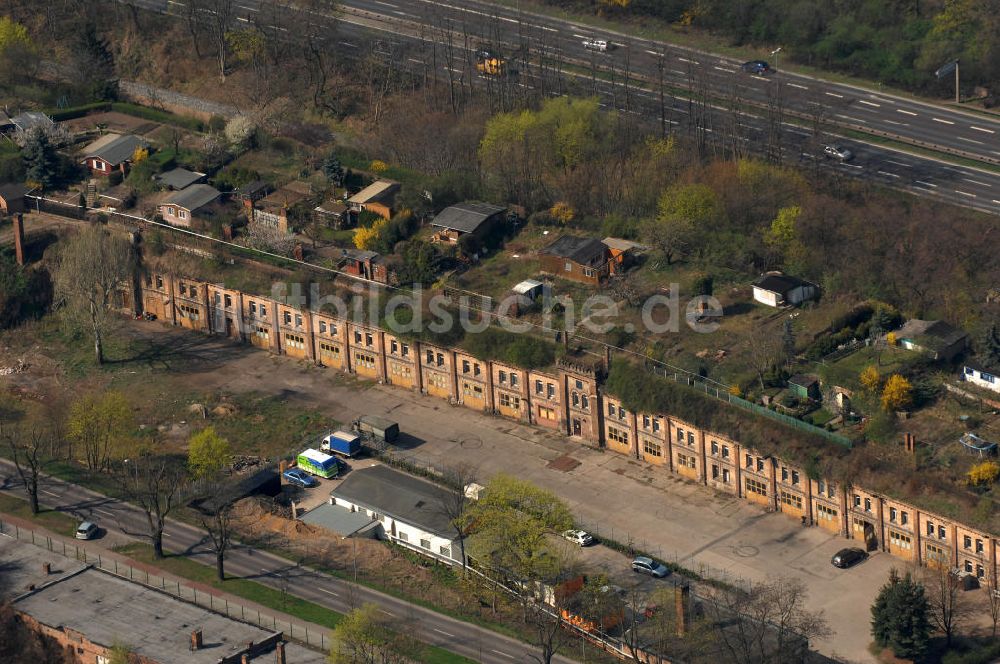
[[899, 110], [948, 122], [694, 62], [988, 131], [996, 201], [98, 509], [386, 4], [580, 36], [348, 44], [868, 103], [965, 193], [391, 615], [720, 68], [927, 184], [652, 52], [502, 653], [981, 184], [899, 163], [898, 124], [45, 491], [800, 87], [834, 94], [419, 62], [678, 71], [970, 140], [847, 117], [328, 592], [892, 175], [441, 631]]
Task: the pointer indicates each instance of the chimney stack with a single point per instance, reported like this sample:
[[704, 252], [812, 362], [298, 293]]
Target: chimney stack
[[910, 443], [682, 599], [46, 568], [196, 640], [19, 238], [279, 653], [245, 659]]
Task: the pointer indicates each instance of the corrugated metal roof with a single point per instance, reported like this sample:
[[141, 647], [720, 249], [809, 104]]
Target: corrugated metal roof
[[179, 178], [114, 148], [192, 198], [373, 191], [465, 217]]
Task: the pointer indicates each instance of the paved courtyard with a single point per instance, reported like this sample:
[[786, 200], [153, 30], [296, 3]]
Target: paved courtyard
[[612, 495]]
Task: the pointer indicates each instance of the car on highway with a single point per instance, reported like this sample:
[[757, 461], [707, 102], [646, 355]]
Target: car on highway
[[848, 557], [86, 530], [581, 537], [300, 478], [645, 565], [756, 67], [595, 45], [838, 152]]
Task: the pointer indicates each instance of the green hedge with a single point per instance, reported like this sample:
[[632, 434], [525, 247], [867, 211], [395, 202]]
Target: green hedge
[[135, 110], [519, 350]]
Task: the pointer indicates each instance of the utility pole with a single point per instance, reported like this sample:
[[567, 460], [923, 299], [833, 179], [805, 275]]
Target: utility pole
[[958, 99]]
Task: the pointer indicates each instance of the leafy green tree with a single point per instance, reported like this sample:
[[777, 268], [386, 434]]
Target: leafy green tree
[[41, 162], [420, 263], [901, 617], [101, 425], [208, 453], [685, 216], [18, 57], [365, 637]]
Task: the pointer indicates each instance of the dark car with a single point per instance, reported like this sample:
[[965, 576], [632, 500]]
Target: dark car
[[300, 478], [644, 565], [848, 558], [756, 67]]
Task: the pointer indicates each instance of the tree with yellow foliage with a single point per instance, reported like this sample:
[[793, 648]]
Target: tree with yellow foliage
[[140, 155], [890, 339], [897, 393], [367, 238], [378, 166], [562, 212], [870, 379], [984, 473]]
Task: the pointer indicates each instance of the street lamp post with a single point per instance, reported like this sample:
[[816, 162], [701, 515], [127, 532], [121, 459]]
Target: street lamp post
[[946, 69], [775, 53]]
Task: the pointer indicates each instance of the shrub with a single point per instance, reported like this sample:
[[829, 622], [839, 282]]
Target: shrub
[[897, 393], [984, 473], [870, 379], [517, 349]]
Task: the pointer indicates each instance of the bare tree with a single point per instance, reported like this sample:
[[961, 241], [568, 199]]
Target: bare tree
[[993, 600], [767, 623], [219, 524], [949, 610], [91, 270], [454, 505], [30, 451], [764, 348], [154, 484]]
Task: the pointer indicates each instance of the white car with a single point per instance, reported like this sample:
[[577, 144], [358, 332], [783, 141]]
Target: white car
[[595, 45], [86, 530], [580, 537], [838, 152]]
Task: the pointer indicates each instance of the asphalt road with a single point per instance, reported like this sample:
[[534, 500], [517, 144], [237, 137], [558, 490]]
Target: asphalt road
[[415, 30], [476, 643]]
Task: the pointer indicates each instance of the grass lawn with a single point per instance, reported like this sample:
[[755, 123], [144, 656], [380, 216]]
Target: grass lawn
[[845, 371], [57, 522]]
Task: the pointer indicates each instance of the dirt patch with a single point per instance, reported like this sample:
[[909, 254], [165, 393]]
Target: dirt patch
[[115, 121], [565, 463]]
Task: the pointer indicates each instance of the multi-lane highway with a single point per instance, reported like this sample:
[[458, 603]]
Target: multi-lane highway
[[738, 107], [474, 642]]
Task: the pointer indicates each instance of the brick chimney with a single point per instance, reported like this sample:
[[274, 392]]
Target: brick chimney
[[46, 568], [910, 443], [245, 659], [196, 640], [682, 600], [279, 653], [19, 238]]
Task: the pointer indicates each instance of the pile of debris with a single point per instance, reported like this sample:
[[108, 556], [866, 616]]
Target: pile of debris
[[18, 368]]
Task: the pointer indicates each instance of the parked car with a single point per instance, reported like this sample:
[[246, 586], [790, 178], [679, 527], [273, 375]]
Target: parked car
[[86, 530], [581, 537], [838, 152], [848, 557], [595, 45], [300, 478], [756, 67], [644, 565]]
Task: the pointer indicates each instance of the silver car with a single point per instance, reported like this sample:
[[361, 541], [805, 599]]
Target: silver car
[[86, 530], [838, 152], [644, 565]]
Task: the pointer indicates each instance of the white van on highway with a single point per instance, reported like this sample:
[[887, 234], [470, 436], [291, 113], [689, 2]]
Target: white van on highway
[[595, 45]]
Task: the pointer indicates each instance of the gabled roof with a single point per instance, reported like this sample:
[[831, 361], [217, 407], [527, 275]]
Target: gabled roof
[[931, 333], [401, 496], [194, 197], [332, 206], [31, 119], [621, 244], [179, 178], [374, 192], [526, 286], [779, 283], [465, 217], [113, 148], [582, 250]]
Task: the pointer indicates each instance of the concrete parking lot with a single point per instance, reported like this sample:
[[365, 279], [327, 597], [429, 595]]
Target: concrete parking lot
[[616, 496]]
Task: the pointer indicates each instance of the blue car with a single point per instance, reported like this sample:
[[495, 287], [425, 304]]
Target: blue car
[[756, 67], [300, 478]]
